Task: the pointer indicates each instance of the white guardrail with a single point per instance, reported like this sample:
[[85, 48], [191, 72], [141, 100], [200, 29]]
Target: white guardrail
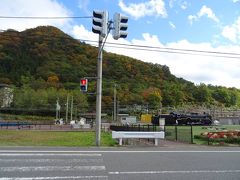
[[137, 134]]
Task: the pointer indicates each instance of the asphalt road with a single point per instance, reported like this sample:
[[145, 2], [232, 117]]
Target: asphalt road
[[126, 163]]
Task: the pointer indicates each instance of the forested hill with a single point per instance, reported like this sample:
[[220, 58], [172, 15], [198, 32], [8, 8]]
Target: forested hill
[[46, 54]]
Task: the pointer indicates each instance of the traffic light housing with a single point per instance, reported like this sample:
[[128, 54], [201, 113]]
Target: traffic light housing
[[100, 23], [120, 26], [83, 85]]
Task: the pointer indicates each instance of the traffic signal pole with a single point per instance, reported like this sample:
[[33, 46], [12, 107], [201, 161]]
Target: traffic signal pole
[[99, 92], [102, 26], [115, 104]]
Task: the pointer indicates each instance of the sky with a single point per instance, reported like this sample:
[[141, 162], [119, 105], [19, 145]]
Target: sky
[[202, 25]]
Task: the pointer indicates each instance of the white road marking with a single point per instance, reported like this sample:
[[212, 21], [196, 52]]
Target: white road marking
[[58, 177], [123, 151], [48, 154], [173, 172], [52, 160], [52, 168]]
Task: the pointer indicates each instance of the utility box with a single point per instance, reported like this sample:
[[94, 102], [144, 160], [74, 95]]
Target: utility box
[[129, 120], [146, 118]]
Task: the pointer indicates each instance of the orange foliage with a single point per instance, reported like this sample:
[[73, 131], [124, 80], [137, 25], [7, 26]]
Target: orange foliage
[[53, 79], [151, 90]]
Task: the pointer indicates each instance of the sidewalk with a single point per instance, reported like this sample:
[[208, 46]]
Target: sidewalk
[[162, 143]]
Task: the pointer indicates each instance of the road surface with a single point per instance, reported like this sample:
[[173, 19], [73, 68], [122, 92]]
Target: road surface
[[193, 162]]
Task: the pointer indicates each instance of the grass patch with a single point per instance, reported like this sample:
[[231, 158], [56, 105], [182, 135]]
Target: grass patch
[[46, 138]]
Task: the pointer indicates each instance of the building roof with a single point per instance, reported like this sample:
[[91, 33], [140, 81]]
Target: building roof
[[4, 85]]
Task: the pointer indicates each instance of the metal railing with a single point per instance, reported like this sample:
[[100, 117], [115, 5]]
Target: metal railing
[[134, 127], [179, 133]]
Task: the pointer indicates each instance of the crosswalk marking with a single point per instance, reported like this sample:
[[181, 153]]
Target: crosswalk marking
[[60, 161], [49, 154], [52, 168], [53, 178], [52, 165]]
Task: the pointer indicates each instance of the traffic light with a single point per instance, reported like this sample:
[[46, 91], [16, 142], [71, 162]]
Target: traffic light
[[83, 85], [100, 23], [120, 26]]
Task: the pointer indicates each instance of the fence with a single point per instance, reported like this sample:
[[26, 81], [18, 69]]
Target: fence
[[46, 127], [134, 127], [179, 133]]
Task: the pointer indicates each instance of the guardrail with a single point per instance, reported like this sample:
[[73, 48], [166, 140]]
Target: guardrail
[[139, 135]]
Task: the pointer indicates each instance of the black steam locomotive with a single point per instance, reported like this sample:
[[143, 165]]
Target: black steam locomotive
[[183, 119]]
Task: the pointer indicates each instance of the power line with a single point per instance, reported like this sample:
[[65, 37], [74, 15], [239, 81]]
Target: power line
[[182, 51], [45, 17], [136, 47], [146, 48], [174, 52], [164, 48]]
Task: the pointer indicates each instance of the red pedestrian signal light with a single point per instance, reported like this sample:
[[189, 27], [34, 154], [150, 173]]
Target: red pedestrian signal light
[[83, 85], [83, 81]]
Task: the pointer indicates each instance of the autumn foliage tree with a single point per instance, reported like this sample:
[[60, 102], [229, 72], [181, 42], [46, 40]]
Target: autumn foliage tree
[[153, 97], [49, 58], [53, 81]]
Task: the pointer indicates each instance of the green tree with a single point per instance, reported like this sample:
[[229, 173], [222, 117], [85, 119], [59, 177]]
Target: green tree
[[221, 95], [202, 94]]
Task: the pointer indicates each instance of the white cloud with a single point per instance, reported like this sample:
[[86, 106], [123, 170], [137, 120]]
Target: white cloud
[[232, 32], [148, 40], [192, 18], [184, 5], [195, 68], [80, 32], [181, 3], [83, 4], [236, 1], [32, 8], [149, 8], [204, 11], [172, 25]]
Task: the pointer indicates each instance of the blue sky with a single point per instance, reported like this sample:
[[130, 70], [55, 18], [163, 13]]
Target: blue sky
[[172, 22], [205, 25]]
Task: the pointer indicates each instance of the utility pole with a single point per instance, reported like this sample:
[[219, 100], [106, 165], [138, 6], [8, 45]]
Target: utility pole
[[58, 107], [99, 93], [67, 110], [115, 104], [71, 108]]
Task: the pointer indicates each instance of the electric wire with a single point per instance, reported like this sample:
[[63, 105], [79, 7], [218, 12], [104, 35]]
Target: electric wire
[[165, 48], [140, 47], [183, 52], [45, 17], [136, 47]]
